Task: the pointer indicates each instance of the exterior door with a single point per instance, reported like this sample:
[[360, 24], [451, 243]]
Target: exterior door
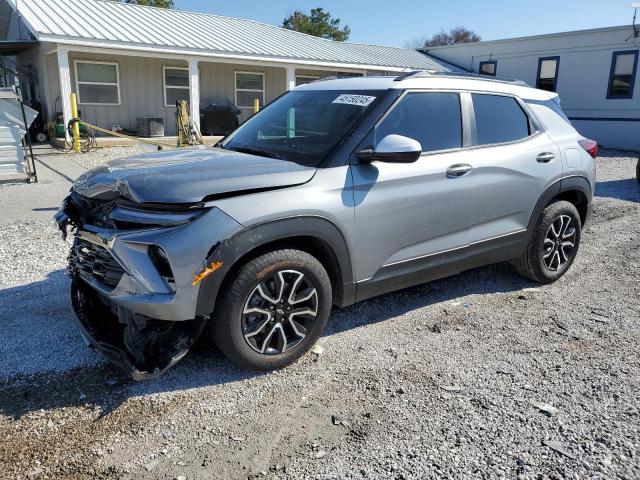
[[513, 165], [405, 212]]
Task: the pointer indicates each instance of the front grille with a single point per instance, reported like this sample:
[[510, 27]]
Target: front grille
[[92, 261]]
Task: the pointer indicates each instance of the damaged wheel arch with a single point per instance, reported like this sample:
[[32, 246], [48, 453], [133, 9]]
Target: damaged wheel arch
[[326, 242]]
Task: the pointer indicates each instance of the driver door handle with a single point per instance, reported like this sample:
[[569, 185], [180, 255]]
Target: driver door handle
[[458, 170], [545, 157]]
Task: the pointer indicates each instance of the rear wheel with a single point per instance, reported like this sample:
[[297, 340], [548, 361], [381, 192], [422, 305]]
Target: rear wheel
[[274, 310], [553, 245]]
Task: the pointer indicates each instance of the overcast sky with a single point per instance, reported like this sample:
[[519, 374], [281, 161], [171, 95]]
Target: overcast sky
[[399, 22]]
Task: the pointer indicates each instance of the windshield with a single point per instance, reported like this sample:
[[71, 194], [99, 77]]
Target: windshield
[[302, 126]]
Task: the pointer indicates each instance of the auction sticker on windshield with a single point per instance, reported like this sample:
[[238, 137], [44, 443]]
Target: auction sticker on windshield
[[349, 99]]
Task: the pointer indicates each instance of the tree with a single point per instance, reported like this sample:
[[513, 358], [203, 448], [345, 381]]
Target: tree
[[152, 3], [455, 35], [319, 24]]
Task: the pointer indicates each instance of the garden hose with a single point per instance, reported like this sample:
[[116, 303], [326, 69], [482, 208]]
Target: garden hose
[[88, 137]]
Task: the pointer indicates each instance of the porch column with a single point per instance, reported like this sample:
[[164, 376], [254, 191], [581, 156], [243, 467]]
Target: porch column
[[291, 78], [65, 87], [194, 92]]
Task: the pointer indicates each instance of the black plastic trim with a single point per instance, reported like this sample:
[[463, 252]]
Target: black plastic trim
[[562, 185], [232, 249], [440, 265]]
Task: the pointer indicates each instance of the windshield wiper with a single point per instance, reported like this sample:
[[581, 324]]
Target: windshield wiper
[[254, 151]]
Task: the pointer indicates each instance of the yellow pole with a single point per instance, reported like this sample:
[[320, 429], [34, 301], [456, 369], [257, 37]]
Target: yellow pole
[[76, 125], [256, 105]]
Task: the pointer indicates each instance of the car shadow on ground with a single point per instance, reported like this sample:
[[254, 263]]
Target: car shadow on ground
[[628, 189], [64, 372]]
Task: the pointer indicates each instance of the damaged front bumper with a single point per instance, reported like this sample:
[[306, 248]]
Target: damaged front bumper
[[133, 292], [143, 347]]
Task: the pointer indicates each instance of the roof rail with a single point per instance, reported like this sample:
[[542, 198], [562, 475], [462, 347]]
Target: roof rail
[[324, 79], [334, 77], [476, 76], [412, 73]]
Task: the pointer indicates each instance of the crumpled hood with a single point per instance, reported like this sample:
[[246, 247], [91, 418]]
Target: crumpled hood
[[188, 175]]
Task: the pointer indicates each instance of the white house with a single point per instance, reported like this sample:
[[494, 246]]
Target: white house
[[593, 71], [128, 61]]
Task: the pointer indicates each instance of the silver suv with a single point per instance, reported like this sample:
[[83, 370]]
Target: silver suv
[[336, 192]]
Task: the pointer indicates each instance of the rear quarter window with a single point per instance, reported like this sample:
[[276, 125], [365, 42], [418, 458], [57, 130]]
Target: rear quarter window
[[552, 117], [499, 119]]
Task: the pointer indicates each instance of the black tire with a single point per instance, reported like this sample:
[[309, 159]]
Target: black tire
[[638, 170], [535, 263], [230, 322]]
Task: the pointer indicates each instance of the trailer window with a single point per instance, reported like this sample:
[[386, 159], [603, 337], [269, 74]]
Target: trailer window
[[623, 74]]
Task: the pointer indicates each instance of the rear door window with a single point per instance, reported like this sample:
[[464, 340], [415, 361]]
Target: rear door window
[[499, 119], [431, 118]]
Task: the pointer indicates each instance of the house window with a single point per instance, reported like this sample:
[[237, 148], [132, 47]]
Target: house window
[[304, 79], [548, 73], [623, 74], [249, 86], [488, 68], [97, 83], [176, 85]]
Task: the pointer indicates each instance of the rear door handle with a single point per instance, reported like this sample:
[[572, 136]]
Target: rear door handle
[[458, 170], [545, 157]]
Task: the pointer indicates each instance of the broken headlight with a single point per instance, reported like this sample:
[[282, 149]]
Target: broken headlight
[[127, 216]]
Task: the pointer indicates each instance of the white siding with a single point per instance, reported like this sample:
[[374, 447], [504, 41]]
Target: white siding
[[141, 88], [583, 76]]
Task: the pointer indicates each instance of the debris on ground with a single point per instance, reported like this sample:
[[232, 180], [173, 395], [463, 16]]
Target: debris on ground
[[547, 409], [451, 388], [338, 420], [559, 447]]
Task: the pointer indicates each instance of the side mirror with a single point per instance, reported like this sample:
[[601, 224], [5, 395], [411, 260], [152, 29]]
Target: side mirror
[[393, 149]]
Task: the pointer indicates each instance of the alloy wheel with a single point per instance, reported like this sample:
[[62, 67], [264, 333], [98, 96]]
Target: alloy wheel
[[559, 243], [279, 312]]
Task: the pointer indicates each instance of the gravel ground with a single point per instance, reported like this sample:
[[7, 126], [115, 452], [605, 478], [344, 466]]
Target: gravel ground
[[482, 375], [99, 156]]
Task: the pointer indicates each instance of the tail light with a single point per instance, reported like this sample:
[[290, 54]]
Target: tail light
[[591, 146]]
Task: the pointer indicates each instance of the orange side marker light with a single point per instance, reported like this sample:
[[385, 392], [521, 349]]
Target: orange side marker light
[[206, 272]]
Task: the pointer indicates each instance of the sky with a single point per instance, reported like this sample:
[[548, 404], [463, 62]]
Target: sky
[[399, 22]]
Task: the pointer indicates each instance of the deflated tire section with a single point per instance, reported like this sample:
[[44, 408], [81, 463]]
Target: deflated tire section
[[142, 346]]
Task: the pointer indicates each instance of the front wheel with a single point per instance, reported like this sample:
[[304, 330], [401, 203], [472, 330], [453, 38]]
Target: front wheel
[[274, 310], [553, 245]]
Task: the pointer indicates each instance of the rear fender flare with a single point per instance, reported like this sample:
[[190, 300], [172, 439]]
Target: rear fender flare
[[567, 184]]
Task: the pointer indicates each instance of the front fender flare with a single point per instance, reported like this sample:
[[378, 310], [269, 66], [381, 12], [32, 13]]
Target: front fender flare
[[229, 251]]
